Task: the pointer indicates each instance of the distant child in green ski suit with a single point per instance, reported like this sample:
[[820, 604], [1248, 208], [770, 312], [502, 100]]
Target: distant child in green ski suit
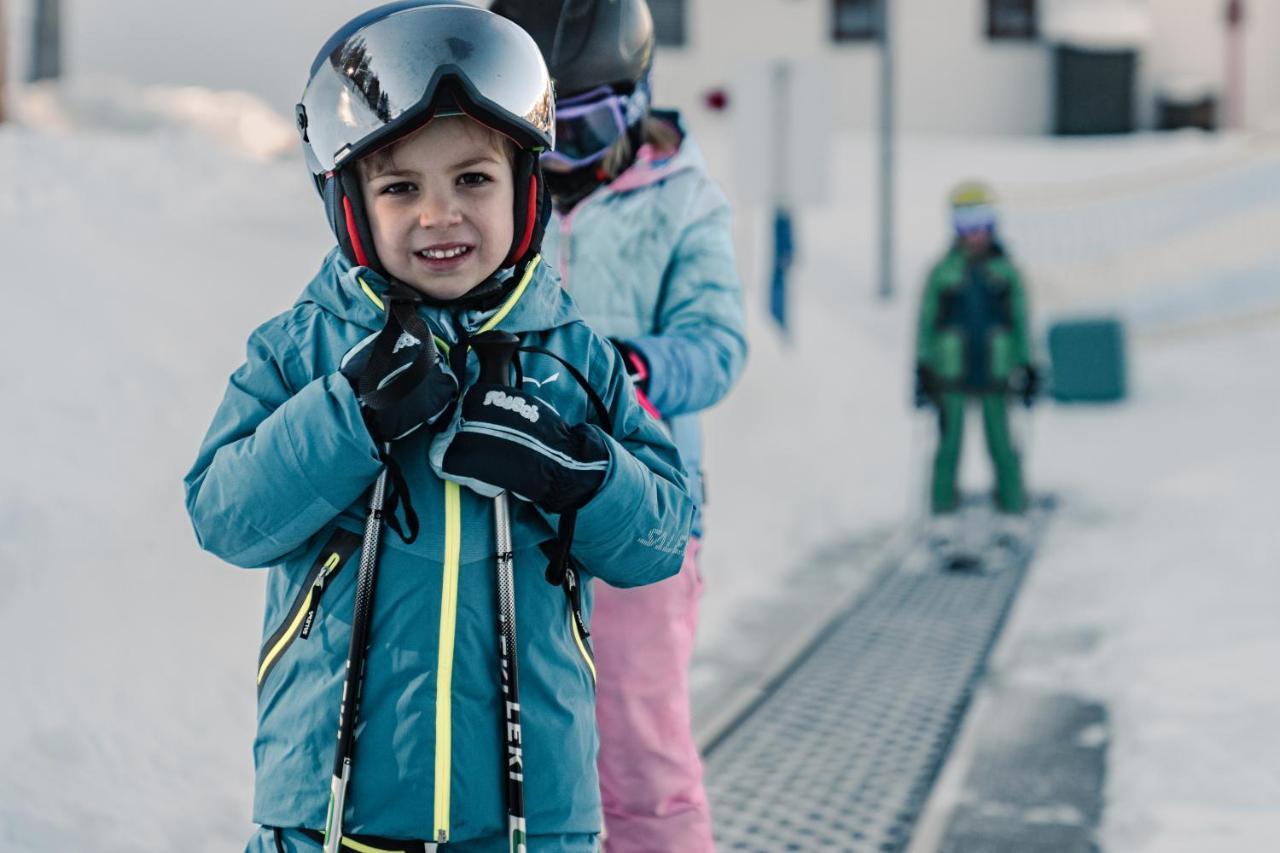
[[973, 346]]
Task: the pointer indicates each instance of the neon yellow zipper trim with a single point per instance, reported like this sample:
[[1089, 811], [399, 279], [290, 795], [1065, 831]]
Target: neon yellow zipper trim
[[582, 647], [368, 291], [444, 664], [290, 635], [497, 318]]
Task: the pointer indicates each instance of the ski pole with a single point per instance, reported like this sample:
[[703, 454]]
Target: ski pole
[[357, 654], [920, 458], [1021, 431], [495, 350]]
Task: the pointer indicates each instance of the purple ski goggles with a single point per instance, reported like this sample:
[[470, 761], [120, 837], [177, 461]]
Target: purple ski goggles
[[587, 125]]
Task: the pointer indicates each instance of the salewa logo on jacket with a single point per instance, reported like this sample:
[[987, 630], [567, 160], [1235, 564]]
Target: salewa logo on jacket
[[543, 382], [668, 542], [503, 400]]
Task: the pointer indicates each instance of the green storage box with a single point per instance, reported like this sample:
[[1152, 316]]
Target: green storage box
[[1088, 360], [1094, 90]]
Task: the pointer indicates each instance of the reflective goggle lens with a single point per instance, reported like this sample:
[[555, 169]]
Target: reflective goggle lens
[[972, 218]]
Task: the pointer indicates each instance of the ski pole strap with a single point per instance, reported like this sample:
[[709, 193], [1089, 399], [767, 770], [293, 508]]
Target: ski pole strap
[[363, 843], [398, 498], [560, 547], [561, 571], [602, 413]]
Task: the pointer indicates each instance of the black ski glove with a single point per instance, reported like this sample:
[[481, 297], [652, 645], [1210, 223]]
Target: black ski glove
[[1029, 385], [411, 387], [927, 386], [511, 439]]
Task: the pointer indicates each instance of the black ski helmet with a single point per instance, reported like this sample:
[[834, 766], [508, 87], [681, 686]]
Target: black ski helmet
[[389, 71], [587, 43]]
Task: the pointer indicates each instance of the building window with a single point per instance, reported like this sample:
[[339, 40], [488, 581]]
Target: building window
[[668, 22], [1011, 19], [855, 20]]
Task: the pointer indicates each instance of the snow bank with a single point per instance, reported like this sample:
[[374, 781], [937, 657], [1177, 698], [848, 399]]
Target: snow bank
[[1157, 591], [236, 120]]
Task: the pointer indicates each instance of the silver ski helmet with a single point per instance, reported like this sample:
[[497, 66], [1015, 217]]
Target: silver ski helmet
[[389, 71]]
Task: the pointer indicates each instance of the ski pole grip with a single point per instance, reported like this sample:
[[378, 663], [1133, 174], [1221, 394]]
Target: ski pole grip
[[495, 350]]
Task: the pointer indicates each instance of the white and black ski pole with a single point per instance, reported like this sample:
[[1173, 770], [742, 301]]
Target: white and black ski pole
[[357, 654], [495, 350]]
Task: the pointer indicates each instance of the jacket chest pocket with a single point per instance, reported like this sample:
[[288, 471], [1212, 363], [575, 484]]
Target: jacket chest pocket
[[302, 613]]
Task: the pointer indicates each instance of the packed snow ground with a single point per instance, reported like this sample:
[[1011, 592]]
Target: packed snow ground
[[1157, 592], [142, 246]]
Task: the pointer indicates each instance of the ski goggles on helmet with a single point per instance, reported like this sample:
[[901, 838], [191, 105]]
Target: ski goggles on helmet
[[390, 70], [973, 219], [588, 125]]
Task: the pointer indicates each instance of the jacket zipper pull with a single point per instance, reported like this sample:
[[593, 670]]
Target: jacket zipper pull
[[317, 589]]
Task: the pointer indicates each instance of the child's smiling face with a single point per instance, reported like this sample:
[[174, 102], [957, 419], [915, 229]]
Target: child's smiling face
[[440, 204]]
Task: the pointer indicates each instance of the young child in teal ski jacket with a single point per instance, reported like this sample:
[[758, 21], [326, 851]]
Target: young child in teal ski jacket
[[282, 479]]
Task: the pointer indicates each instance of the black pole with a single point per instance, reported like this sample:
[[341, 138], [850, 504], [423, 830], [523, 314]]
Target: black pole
[[495, 350], [357, 656]]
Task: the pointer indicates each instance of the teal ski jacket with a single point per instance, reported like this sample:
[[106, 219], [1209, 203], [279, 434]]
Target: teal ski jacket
[[281, 481], [649, 260]]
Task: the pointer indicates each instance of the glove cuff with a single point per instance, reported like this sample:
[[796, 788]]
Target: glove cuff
[[574, 491]]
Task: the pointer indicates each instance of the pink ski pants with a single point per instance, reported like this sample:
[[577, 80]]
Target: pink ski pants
[[650, 772]]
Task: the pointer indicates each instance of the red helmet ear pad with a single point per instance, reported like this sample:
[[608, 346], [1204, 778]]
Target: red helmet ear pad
[[353, 232], [344, 202], [532, 209]]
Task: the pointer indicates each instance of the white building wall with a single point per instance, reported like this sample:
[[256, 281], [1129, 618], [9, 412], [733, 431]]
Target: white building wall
[[1262, 64], [950, 77], [954, 79], [1191, 36]]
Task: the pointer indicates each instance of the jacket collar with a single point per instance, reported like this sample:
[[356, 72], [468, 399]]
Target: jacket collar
[[357, 294]]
